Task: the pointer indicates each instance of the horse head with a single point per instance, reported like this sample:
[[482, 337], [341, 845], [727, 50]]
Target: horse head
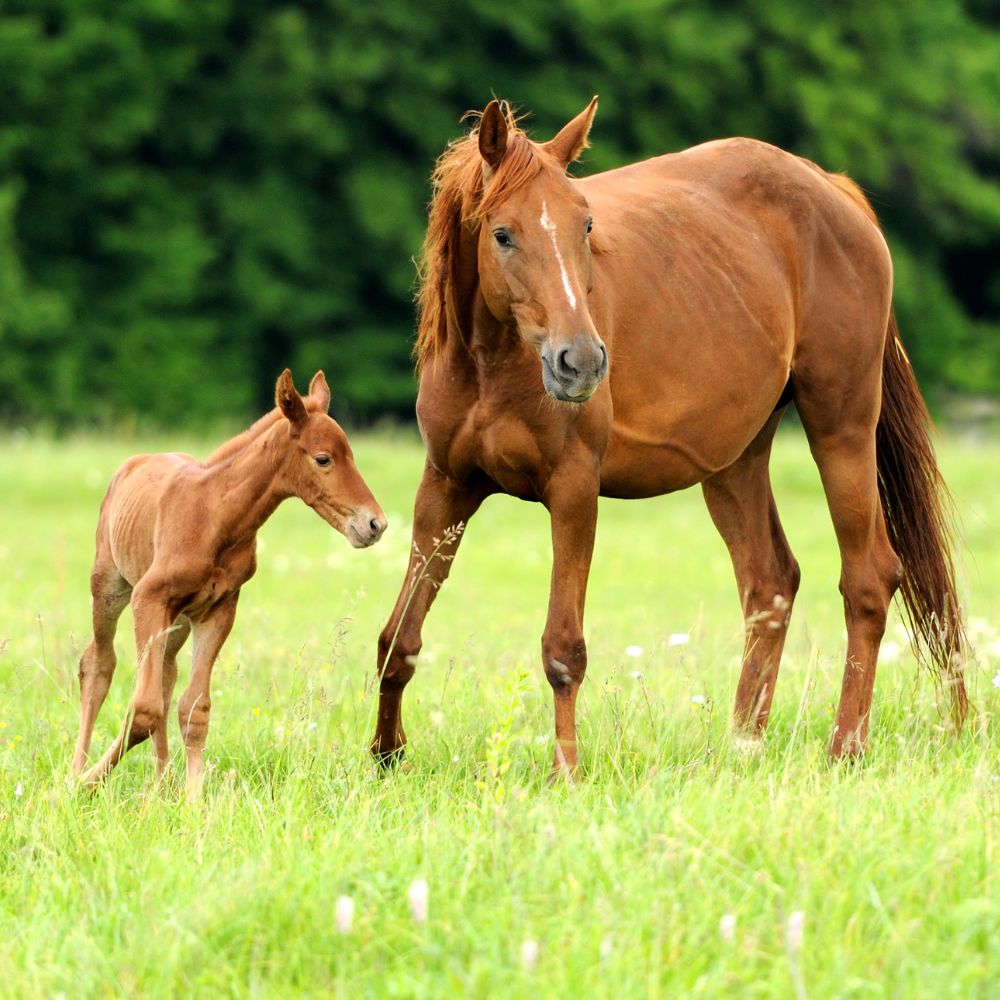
[[534, 250], [320, 466]]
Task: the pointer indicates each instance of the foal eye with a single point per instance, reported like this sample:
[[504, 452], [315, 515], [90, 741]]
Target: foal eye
[[323, 460], [590, 226], [503, 237]]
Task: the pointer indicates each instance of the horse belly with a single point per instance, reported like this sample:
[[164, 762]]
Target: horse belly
[[664, 451]]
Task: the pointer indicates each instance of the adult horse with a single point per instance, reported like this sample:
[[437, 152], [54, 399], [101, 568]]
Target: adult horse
[[643, 330]]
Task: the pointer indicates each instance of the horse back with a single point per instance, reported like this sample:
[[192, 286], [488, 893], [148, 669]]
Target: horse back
[[718, 271]]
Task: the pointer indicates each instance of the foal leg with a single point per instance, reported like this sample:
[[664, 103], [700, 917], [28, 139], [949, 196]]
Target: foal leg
[[179, 632], [572, 504], [441, 504], [195, 706], [110, 593], [741, 503], [152, 629]]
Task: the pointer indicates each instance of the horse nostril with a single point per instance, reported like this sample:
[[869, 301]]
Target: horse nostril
[[374, 526], [563, 366]]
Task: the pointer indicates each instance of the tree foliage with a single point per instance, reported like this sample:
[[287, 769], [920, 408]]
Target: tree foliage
[[193, 196]]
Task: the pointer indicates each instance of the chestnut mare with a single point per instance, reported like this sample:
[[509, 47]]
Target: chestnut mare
[[719, 285], [179, 537]]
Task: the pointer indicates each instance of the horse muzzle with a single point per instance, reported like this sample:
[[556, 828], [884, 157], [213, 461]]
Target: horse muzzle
[[572, 371]]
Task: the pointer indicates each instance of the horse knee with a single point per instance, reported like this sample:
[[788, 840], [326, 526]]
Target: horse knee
[[565, 662], [397, 660]]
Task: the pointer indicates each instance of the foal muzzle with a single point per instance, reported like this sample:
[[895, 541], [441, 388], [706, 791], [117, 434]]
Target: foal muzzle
[[365, 527]]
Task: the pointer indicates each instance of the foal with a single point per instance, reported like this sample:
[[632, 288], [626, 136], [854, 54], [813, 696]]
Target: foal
[[178, 538]]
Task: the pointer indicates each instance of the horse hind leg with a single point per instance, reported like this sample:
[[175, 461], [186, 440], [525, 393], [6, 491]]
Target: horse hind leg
[[742, 507], [110, 593], [844, 451]]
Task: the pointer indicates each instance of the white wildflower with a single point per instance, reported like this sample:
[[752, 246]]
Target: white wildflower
[[417, 896], [889, 652], [345, 914], [634, 651], [698, 699], [678, 639], [794, 930], [529, 954], [727, 927]]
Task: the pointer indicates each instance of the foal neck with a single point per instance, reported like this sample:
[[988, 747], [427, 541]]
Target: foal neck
[[249, 483]]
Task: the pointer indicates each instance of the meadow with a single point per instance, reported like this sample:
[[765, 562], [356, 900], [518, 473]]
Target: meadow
[[676, 866]]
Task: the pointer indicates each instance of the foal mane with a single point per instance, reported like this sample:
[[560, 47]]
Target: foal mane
[[228, 449], [460, 200]]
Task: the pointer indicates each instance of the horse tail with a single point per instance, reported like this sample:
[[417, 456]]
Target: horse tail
[[919, 516], [917, 507]]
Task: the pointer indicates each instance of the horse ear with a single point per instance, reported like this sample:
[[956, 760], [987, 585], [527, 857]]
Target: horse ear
[[572, 138], [493, 134], [288, 400], [320, 391]]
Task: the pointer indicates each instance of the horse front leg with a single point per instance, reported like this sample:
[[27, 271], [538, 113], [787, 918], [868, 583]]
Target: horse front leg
[[573, 509], [441, 510]]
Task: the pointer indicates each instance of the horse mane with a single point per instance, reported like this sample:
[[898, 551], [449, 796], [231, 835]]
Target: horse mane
[[460, 200]]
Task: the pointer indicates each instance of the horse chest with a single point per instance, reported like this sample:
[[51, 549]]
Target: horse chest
[[512, 456]]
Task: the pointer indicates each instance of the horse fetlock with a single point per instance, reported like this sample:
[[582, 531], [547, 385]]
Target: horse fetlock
[[389, 752]]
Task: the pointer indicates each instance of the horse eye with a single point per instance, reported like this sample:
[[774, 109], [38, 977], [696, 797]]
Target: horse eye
[[503, 238], [323, 460], [590, 226]]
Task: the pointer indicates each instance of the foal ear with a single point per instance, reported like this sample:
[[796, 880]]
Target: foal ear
[[288, 400], [572, 137], [320, 391], [493, 134]]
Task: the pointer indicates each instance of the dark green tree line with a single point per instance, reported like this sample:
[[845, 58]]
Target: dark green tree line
[[194, 195]]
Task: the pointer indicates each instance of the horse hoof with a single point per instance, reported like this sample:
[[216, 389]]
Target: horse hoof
[[388, 760]]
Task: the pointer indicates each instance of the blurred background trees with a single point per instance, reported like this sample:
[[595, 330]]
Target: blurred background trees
[[193, 195]]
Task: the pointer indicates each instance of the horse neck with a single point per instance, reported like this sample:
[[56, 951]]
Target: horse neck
[[250, 484]]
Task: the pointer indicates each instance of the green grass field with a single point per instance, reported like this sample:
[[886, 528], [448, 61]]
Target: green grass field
[[673, 867]]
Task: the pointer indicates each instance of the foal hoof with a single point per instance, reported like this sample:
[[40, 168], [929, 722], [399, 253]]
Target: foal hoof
[[748, 746]]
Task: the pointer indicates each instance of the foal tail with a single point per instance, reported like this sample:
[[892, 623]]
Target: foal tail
[[918, 515]]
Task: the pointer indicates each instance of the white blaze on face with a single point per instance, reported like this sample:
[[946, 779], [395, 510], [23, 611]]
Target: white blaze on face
[[550, 227]]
